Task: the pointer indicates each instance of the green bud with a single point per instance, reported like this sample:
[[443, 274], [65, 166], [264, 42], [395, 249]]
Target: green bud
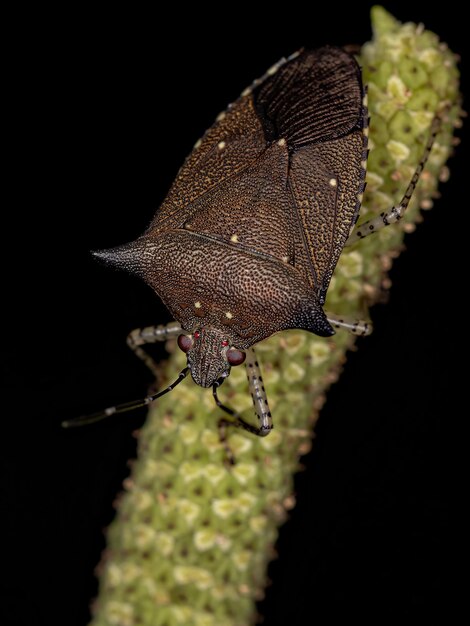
[[413, 73], [424, 99]]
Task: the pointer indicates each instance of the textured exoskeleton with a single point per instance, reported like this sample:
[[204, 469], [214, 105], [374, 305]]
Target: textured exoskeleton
[[248, 237]]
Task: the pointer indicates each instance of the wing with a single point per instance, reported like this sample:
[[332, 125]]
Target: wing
[[234, 141], [314, 97], [231, 145], [316, 103]]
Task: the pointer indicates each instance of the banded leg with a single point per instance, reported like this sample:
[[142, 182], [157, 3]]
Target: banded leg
[[258, 394], [151, 334], [396, 213], [356, 327], [260, 400]]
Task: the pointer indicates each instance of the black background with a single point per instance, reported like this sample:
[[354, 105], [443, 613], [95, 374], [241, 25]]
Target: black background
[[102, 112]]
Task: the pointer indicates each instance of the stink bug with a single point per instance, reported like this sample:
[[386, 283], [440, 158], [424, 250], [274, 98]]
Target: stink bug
[[248, 237]]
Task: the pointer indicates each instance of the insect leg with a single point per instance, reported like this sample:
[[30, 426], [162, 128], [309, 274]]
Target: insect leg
[[396, 213], [151, 334], [354, 326], [258, 394]]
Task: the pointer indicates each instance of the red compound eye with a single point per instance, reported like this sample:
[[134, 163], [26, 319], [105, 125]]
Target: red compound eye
[[235, 357], [185, 342], [225, 343], [197, 334]]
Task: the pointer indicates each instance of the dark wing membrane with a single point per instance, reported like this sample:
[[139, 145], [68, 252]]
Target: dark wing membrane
[[315, 97], [234, 141]]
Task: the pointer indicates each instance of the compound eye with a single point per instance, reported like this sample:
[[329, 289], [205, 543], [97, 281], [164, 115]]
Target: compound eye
[[235, 357], [184, 342]]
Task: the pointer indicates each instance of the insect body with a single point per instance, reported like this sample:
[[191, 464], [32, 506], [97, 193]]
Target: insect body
[[246, 242]]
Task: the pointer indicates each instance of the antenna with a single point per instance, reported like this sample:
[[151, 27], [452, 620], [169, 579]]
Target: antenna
[[85, 420]]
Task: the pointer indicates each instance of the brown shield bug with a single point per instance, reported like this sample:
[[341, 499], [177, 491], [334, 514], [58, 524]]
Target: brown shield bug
[[248, 237]]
